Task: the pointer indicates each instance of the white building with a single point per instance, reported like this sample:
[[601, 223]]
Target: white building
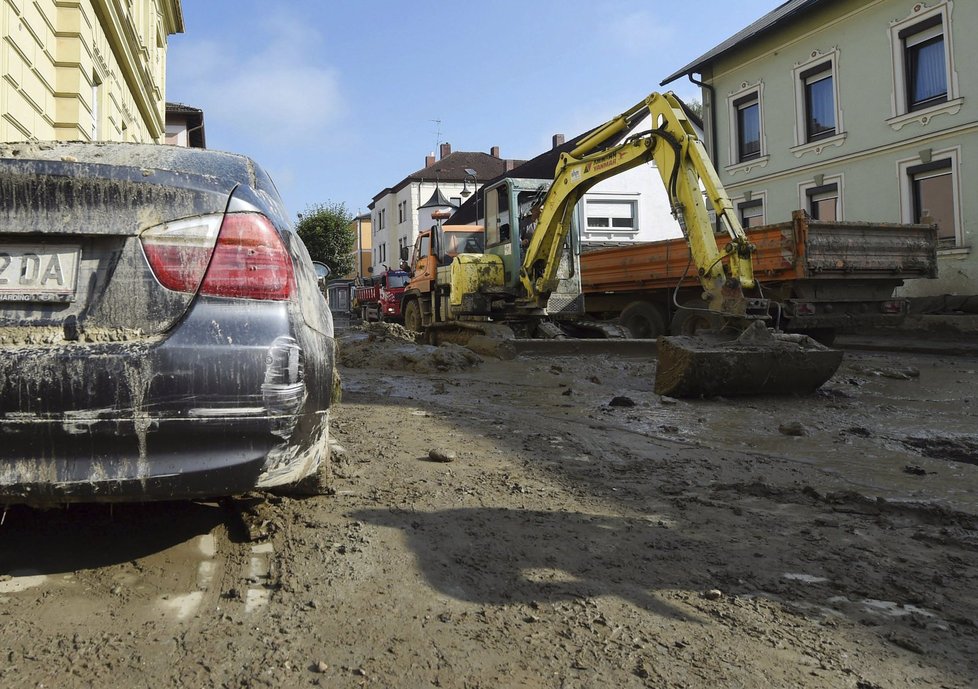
[[394, 212]]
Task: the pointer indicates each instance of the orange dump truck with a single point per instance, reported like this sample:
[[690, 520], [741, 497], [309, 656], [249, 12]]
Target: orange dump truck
[[820, 276]]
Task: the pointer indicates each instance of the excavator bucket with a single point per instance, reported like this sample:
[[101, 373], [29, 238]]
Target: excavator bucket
[[758, 362]]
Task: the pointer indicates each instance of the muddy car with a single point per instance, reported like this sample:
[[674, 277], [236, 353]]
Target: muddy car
[[162, 330]]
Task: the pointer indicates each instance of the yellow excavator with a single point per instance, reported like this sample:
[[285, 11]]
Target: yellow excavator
[[526, 279]]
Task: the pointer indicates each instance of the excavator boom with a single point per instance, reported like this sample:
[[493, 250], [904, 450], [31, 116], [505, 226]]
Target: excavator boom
[[755, 363]]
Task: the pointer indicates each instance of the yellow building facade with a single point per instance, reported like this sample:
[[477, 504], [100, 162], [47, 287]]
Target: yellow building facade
[[363, 249], [85, 70]]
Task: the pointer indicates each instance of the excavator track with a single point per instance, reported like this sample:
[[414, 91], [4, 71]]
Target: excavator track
[[604, 329]]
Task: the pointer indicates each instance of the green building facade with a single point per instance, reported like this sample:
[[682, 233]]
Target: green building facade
[[857, 110]]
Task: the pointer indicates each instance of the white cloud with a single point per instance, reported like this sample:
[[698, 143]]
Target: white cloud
[[268, 90], [638, 34]]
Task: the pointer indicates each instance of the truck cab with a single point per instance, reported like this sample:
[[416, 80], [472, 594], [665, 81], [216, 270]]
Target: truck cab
[[431, 265], [379, 298]]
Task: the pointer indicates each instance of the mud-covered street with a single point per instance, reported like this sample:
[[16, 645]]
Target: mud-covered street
[[577, 530]]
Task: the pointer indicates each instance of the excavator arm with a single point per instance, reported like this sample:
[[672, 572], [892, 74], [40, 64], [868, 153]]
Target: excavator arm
[[757, 360], [686, 173]]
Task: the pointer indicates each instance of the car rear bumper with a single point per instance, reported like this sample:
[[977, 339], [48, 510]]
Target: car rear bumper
[[212, 410]]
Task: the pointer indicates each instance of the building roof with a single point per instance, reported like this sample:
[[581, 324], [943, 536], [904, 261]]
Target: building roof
[[194, 120], [775, 19], [173, 16], [180, 108], [452, 168], [542, 166]]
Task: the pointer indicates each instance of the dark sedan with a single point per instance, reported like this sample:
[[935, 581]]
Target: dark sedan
[[162, 330]]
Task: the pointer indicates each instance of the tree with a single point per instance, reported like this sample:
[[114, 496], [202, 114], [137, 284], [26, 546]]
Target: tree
[[696, 107], [328, 235]]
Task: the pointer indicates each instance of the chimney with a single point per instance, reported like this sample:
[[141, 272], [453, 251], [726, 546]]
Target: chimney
[[558, 140], [446, 150], [494, 151], [429, 160], [510, 165]]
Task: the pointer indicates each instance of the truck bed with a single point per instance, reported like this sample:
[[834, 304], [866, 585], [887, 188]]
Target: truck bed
[[801, 249], [367, 294]]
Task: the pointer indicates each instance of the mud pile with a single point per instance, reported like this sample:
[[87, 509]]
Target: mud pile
[[392, 347]]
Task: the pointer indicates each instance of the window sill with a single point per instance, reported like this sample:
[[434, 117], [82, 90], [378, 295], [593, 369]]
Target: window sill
[[956, 251], [747, 165], [597, 236], [923, 117], [818, 145]]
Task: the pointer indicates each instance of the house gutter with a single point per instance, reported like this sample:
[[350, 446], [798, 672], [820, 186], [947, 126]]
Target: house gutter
[[713, 119]]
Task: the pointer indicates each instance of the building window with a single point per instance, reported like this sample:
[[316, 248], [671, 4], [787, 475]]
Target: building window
[[924, 64], [823, 202], [611, 218], [748, 122], [924, 75], [819, 90], [932, 198], [751, 213], [96, 131], [174, 134]]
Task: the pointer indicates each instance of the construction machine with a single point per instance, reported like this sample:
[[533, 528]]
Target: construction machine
[[527, 279]]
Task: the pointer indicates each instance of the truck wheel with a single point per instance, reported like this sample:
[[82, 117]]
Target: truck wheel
[[692, 318], [642, 320], [412, 316]]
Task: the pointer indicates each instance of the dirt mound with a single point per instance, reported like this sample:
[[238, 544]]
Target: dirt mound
[[391, 346], [386, 332]]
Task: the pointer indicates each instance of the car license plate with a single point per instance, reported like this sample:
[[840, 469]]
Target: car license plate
[[38, 273]]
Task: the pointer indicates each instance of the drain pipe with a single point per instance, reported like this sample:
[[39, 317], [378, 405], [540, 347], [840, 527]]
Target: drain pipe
[[713, 119]]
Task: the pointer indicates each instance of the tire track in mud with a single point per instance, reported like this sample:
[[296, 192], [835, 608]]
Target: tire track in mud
[[87, 591]]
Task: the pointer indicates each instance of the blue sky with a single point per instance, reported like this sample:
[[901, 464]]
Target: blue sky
[[339, 99]]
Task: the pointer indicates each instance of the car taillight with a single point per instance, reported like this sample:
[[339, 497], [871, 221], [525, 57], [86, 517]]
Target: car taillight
[[250, 261], [235, 255], [178, 252]]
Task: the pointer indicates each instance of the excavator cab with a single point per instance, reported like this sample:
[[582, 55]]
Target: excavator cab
[[513, 208]]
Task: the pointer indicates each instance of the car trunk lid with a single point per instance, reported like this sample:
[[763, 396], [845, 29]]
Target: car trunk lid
[[72, 261]]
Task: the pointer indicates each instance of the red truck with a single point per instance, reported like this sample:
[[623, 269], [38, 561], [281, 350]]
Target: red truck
[[379, 297], [826, 276]]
